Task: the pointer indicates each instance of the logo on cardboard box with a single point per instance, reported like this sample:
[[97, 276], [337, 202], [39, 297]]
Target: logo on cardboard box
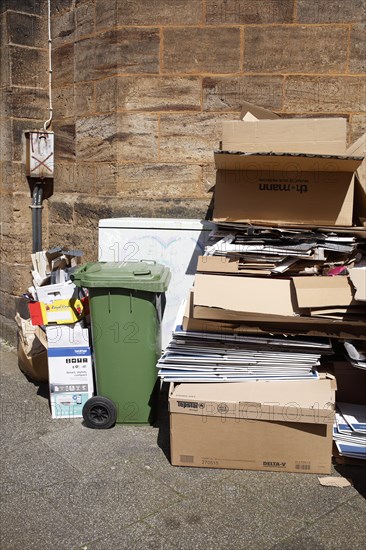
[[190, 405], [274, 464]]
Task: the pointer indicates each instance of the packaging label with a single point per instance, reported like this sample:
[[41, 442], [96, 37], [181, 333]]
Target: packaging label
[[70, 380]]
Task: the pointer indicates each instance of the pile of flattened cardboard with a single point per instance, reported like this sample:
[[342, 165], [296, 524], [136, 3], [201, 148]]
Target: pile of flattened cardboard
[[287, 260]]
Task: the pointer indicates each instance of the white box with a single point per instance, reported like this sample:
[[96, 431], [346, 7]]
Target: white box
[[70, 380], [60, 291], [68, 336], [175, 243]]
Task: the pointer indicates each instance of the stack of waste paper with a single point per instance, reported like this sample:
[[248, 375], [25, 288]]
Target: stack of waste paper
[[349, 431], [283, 273]]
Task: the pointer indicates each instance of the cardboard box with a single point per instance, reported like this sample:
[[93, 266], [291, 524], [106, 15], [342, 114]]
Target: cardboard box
[[252, 295], [275, 426], [358, 148], [321, 292], [68, 336], [258, 296], [70, 374], [59, 312], [61, 291], [325, 136], [272, 189], [358, 279]]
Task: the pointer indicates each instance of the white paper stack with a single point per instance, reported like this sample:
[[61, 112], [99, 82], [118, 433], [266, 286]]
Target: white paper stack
[[211, 357], [349, 430]]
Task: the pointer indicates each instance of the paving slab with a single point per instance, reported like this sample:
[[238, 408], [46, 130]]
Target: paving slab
[[32, 465], [111, 498], [225, 515], [68, 487], [185, 481], [342, 528], [291, 493], [137, 536], [27, 521], [24, 405], [88, 450]]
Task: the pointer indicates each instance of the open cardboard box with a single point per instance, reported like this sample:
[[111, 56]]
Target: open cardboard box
[[276, 426], [284, 189], [358, 148]]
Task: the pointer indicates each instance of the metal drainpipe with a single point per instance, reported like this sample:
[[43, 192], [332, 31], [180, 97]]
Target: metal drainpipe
[[39, 217], [36, 207]]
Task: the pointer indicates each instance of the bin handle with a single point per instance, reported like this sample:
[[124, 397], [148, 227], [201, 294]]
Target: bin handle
[[142, 273], [153, 262]]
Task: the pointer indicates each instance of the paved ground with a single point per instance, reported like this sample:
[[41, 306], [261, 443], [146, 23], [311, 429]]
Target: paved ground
[[65, 486]]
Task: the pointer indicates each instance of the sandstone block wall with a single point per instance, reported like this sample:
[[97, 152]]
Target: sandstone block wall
[[140, 88]]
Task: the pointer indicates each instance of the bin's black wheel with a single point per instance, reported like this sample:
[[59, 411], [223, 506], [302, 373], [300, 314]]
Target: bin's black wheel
[[99, 413]]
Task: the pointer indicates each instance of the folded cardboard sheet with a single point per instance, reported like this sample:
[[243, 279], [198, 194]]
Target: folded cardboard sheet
[[308, 135]]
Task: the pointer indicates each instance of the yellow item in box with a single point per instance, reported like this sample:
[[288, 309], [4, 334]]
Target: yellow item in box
[[62, 311]]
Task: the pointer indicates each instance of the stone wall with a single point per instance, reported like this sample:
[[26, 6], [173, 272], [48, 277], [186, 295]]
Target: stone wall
[[140, 90], [23, 102]]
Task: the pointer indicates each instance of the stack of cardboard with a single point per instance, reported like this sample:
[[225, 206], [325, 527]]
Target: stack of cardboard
[[289, 235]]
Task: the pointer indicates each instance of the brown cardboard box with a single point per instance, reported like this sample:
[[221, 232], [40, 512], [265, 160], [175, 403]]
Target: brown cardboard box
[[276, 426], [325, 136], [358, 148], [358, 279], [284, 189]]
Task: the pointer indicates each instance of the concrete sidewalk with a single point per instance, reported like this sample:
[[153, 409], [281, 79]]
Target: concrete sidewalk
[[65, 486]]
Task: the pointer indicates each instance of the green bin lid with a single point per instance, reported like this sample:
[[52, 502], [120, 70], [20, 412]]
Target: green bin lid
[[147, 276]]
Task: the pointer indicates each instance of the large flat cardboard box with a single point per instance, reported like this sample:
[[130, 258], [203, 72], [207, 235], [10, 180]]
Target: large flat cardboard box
[[271, 296], [325, 136], [276, 426], [274, 189]]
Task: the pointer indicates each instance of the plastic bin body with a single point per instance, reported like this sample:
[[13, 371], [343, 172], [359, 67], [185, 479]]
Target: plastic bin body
[[126, 341]]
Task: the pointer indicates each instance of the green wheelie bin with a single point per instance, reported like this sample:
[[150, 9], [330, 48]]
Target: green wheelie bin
[[126, 310]]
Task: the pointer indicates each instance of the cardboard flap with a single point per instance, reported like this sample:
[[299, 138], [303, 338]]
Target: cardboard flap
[[295, 135], [257, 112], [317, 292], [246, 294], [236, 160]]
